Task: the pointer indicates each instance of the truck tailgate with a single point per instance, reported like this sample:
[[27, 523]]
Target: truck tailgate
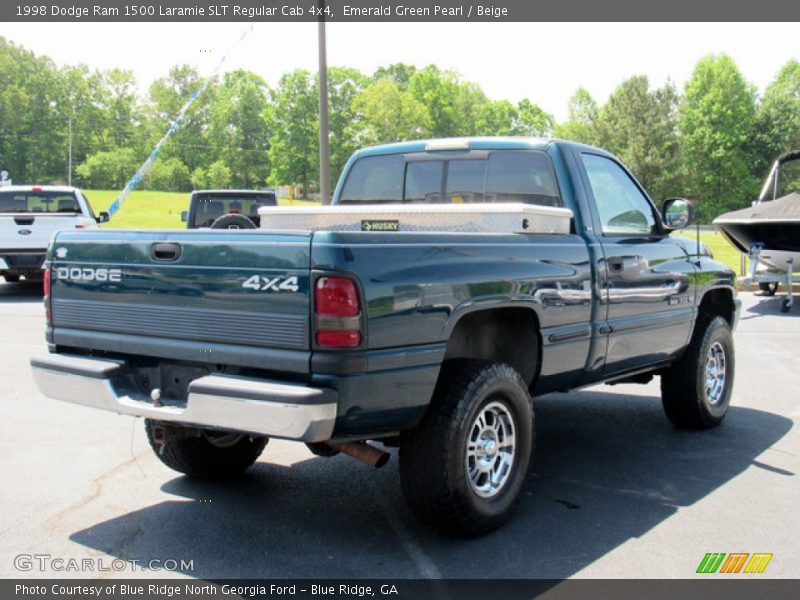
[[32, 230], [202, 290]]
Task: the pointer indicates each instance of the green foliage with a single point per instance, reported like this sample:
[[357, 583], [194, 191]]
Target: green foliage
[[169, 175], [716, 119], [582, 122], [217, 176], [108, 169], [167, 96], [385, 113], [777, 121], [344, 86], [239, 133], [293, 117], [641, 127], [400, 73]]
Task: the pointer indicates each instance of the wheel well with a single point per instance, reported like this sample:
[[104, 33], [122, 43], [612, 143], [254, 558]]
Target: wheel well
[[507, 335], [716, 303]]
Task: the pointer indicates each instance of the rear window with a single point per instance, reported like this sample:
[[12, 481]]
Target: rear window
[[209, 207], [39, 202], [496, 176]]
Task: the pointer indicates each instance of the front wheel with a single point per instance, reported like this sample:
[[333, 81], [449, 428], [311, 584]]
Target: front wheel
[[696, 390], [462, 469], [203, 454]]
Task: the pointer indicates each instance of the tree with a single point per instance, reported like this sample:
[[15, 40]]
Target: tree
[[166, 98], [437, 91], [387, 114], [108, 170], [532, 120], [239, 133], [31, 129], [716, 118], [344, 85], [293, 116], [496, 118], [169, 175], [581, 125], [400, 73], [641, 127], [777, 121]]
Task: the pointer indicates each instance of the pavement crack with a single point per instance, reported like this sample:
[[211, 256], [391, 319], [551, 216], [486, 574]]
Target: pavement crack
[[97, 489]]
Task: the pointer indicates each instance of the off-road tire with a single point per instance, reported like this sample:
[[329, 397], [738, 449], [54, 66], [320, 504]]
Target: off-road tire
[[434, 462], [233, 221], [197, 457], [685, 393]]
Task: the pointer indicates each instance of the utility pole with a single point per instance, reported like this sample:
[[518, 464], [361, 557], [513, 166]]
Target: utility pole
[[69, 163], [324, 149]]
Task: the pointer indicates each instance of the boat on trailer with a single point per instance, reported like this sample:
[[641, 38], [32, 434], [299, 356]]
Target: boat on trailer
[[769, 230]]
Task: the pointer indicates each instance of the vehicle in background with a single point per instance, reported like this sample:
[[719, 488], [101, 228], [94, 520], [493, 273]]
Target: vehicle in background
[[226, 209], [769, 230], [29, 215]]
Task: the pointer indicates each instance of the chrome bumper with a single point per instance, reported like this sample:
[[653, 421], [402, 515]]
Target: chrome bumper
[[242, 404]]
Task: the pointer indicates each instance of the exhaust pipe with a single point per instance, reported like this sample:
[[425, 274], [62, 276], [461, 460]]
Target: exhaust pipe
[[362, 451]]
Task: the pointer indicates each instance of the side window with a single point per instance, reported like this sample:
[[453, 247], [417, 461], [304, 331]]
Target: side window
[[623, 208]]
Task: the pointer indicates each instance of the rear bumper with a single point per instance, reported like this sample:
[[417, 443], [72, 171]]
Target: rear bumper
[[244, 404], [22, 260]]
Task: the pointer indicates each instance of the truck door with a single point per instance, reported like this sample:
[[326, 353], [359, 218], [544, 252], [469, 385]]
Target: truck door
[[645, 274]]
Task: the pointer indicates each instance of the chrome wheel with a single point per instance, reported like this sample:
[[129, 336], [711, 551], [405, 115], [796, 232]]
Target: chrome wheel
[[491, 447], [715, 374]]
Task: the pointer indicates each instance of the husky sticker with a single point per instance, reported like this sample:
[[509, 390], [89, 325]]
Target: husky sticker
[[277, 284]]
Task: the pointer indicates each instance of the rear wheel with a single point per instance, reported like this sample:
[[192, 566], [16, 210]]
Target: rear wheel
[[696, 390], [203, 454], [11, 278], [769, 288], [462, 469]]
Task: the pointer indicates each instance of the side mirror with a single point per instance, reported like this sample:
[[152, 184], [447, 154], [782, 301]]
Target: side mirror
[[676, 213], [103, 217], [184, 215]]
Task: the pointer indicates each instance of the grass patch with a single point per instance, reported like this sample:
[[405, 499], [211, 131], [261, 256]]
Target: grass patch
[[722, 250], [153, 210]]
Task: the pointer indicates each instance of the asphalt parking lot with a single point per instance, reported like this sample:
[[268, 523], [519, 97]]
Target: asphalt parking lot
[[615, 490]]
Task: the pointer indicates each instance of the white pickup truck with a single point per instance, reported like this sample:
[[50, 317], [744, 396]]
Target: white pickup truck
[[29, 215]]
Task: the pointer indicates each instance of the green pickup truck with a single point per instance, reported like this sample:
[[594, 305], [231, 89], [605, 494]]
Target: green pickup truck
[[451, 282]]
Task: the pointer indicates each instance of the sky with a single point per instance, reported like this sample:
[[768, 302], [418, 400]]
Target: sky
[[544, 62]]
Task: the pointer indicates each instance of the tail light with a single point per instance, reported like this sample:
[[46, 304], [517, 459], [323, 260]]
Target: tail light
[[338, 313], [46, 286]]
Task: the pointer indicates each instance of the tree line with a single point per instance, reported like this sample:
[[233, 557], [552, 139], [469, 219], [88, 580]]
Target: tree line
[[713, 140]]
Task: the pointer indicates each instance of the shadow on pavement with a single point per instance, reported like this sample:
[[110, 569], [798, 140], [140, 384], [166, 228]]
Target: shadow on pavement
[[771, 305], [608, 468], [21, 291]]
